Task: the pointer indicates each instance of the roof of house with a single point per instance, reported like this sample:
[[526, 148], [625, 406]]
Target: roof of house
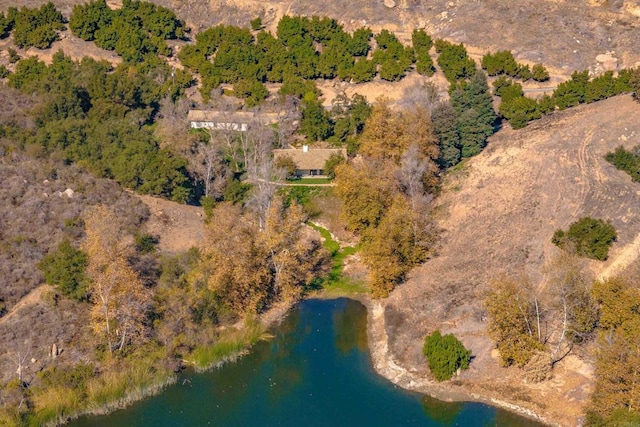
[[314, 158], [230, 116]]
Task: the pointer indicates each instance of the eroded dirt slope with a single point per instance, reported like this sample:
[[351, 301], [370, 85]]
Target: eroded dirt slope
[[498, 215]]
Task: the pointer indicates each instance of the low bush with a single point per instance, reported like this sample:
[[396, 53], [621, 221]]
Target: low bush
[[445, 354], [588, 237]]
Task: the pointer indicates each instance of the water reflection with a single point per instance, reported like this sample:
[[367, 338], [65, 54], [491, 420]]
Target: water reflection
[[443, 413], [350, 326], [316, 371]]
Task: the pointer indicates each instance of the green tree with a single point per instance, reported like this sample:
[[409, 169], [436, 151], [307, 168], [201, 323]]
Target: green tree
[[37, 27], [65, 269], [454, 61], [392, 57], [501, 62], [364, 70], [588, 237], [572, 92], [87, 18], [332, 163], [316, 121], [627, 161], [256, 24], [252, 91], [539, 73], [445, 128], [445, 355], [422, 44]]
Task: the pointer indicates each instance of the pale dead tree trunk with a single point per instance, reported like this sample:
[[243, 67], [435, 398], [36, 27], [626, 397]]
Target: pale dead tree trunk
[[565, 310], [21, 357], [261, 170], [265, 183], [410, 176], [214, 171], [524, 314], [568, 290], [535, 300]]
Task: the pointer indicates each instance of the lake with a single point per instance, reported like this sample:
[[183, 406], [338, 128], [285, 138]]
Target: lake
[[316, 371]]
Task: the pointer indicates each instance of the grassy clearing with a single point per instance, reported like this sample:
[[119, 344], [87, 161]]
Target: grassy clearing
[[335, 282], [230, 345]]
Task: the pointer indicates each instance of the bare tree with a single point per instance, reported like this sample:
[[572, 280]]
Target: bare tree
[[422, 95], [410, 176], [173, 128], [212, 168], [574, 311], [21, 356]]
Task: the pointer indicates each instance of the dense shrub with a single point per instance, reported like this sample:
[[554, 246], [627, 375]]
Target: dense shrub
[[422, 43], [65, 269], [36, 27], [445, 355], [137, 28], [628, 161], [454, 61], [589, 237]]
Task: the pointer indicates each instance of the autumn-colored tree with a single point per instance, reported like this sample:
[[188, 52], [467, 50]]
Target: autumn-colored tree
[[120, 299], [513, 314], [573, 310], [293, 260], [388, 134], [236, 263], [366, 188], [617, 390], [385, 193], [248, 267], [391, 249]]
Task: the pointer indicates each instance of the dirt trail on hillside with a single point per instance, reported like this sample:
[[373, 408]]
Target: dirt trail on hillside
[[498, 216], [31, 298]]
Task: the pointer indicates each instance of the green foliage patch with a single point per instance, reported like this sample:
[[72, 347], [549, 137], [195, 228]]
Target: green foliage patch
[[35, 27], [627, 161], [65, 269], [134, 30], [445, 355], [589, 237], [97, 116]]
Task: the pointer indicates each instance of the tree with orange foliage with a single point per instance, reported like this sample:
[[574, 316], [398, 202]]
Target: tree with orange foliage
[[119, 297], [385, 193]]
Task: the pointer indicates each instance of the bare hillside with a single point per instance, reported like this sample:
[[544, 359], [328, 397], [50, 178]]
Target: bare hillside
[[498, 215]]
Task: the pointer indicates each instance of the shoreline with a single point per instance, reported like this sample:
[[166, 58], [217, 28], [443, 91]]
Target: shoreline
[[382, 361], [384, 365]]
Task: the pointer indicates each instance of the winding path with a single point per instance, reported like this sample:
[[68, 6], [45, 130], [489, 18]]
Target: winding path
[[31, 298]]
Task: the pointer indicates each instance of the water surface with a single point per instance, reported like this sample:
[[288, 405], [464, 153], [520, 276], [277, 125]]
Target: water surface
[[315, 372]]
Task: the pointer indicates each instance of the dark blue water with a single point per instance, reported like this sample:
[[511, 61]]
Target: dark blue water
[[315, 372]]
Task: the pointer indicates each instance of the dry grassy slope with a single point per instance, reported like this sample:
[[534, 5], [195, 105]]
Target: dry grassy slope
[[566, 35], [499, 214]]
